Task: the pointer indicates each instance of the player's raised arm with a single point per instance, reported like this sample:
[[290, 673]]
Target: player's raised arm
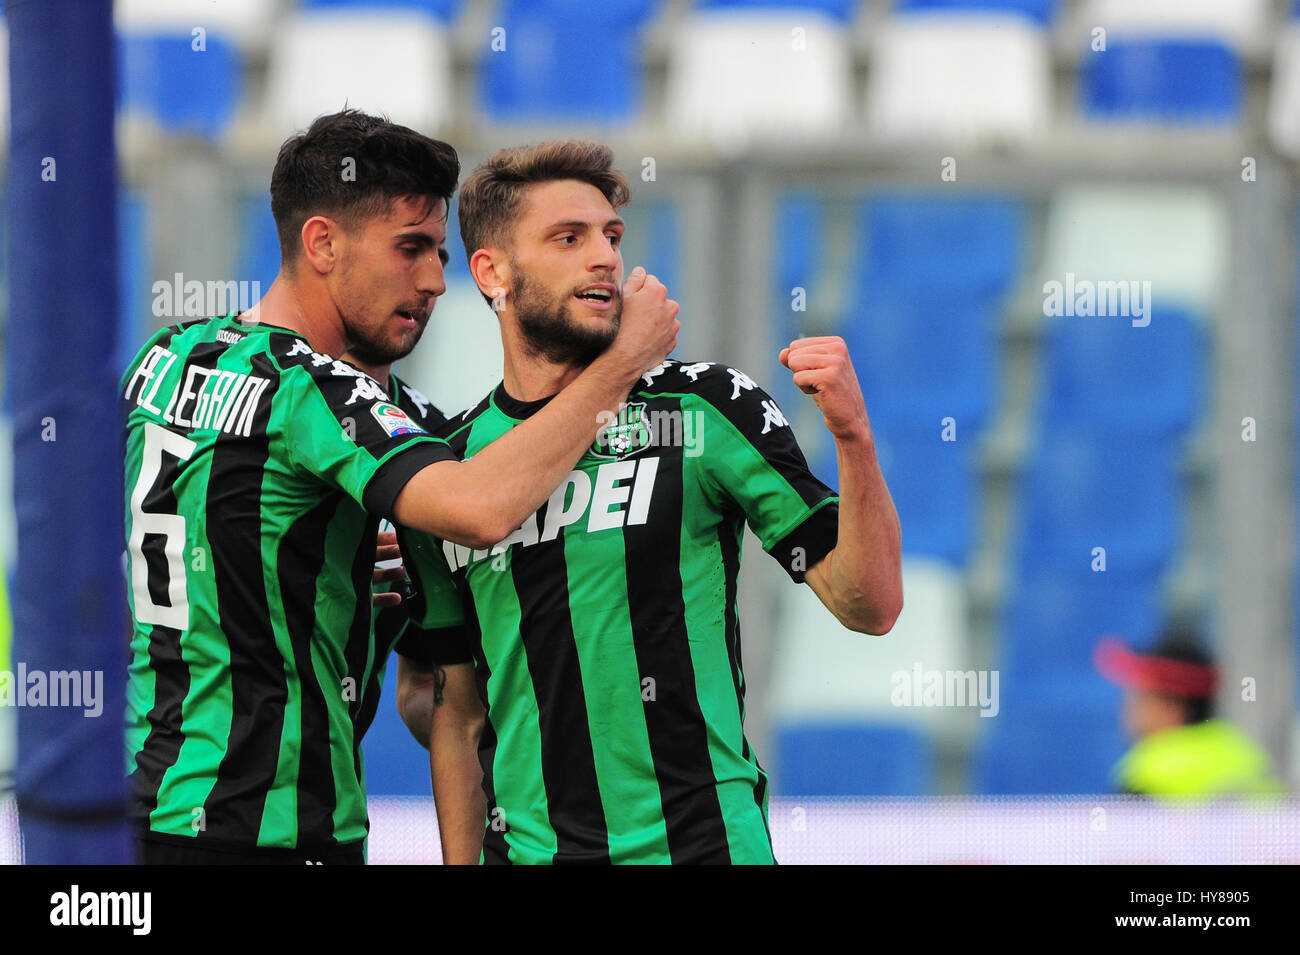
[[479, 502], [860, 579]]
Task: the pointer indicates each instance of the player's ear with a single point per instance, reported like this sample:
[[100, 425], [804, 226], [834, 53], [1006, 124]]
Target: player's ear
[[491, 272], [319, 243]]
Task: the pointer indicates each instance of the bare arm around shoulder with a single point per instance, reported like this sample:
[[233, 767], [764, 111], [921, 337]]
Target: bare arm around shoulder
[[480, 501]]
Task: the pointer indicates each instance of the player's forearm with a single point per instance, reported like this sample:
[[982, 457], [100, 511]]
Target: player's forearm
[[458, 791], [863, 573], [481, 501]]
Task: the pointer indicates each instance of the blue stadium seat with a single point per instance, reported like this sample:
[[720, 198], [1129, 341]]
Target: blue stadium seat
[[838, 9], [547, 71], [925, 242], [134, 290], [396, 765], [1043, 746], [258, 259], [799, 232], [852, 759], [1106, 374], [186, 91], [923, 355], [442, 9], [1054, 618], [933, 484], [1086, 490], [1040, 11], [652, 240], [1170, 80]]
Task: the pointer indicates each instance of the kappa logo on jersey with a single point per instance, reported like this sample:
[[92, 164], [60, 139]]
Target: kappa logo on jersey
[[625, 435], [602, 496], [394, 420]]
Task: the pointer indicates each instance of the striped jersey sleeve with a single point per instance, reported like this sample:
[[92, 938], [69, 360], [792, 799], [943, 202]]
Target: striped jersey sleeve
[[752, 461], [347, 432]]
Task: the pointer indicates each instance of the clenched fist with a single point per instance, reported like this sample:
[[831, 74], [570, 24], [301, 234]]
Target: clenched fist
[[822, 368]]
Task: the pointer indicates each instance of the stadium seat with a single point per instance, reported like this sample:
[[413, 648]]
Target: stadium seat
[[1105, 374], [445, 10], [1040, 11], [958, 77], [923, 357], [166, 80], [247, 22], [932, 630], [974, 245], [396, 765], [933, 483], [1053, 619], [136, 320], [839, 9], [852, 759], [1051, 746], [1085, 491], [1284, 94], [1117, 233], [1163, 80], [546, 71], [1241, 24], [739, 76], [258, 258], [652, 240], [395, 62]]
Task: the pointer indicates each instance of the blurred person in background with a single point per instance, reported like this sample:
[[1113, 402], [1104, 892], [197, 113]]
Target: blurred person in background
[[1180, 750]]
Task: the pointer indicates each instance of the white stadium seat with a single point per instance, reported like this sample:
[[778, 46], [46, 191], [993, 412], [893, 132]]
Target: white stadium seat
[[1242, 23], [1284, 97], [958, 77], [1176, 238], [736, 77], [247, 22], [823, 671], [395, 62]]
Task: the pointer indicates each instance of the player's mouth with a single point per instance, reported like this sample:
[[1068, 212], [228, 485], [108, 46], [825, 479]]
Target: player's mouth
[[413, 317], [600, 296]]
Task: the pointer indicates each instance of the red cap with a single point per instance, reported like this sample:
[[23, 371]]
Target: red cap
[[1138, 671]]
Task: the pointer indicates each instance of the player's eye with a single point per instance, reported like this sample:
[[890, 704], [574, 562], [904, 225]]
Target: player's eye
[[615, 238], [410, 251], [567, 239]]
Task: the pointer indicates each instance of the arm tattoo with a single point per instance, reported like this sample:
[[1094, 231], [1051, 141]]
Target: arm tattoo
[[439, 684]]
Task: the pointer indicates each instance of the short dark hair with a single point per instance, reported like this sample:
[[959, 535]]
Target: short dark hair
[[494, 191], [313, 176], [1181, 643]]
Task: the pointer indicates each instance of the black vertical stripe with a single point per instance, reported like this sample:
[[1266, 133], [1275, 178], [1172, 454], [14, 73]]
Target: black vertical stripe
[[299, 561], [679, 738], [361, 636], [258, 682], [730, 533], [568, 761], [163, 744]]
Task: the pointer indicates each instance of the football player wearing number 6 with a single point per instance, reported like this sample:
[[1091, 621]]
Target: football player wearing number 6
[[593, 709], [258, 467]]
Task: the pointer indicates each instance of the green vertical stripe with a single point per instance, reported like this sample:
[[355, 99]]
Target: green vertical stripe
[[611, 686], [520, 734], [702, 575]]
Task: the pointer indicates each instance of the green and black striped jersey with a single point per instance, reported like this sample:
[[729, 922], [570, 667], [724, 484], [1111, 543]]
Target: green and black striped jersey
[[409, 627], [604, 631], [256, 472]]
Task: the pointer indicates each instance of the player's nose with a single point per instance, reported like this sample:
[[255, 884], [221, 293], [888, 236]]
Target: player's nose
[[432, 278]]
